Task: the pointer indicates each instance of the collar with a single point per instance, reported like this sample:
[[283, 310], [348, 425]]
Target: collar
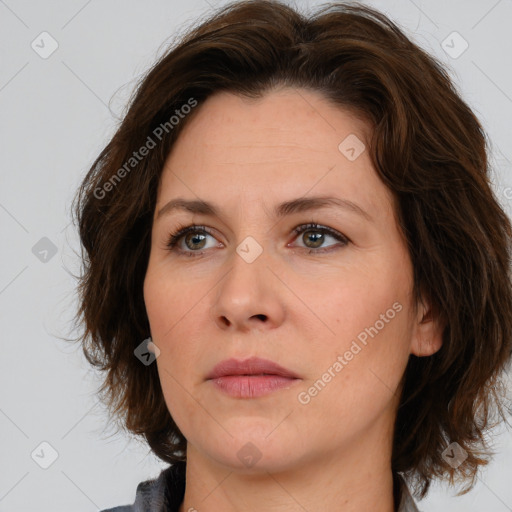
[[402, 495]]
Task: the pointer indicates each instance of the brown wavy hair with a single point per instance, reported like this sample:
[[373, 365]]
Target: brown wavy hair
[[426, 145]]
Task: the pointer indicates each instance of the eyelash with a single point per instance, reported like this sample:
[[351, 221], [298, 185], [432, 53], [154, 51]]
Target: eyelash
[[175, 237]]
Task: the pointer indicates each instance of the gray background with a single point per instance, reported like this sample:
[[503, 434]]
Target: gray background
[[54, 119]]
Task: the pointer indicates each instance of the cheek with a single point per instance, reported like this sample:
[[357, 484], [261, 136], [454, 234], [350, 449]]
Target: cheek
[[169, 301], [356, 384], [176, 307], [358, 306], [178, 337], [171, 314], [359, 359]]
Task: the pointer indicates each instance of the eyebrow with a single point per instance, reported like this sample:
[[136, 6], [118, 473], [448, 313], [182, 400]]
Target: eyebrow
[[302, 204]]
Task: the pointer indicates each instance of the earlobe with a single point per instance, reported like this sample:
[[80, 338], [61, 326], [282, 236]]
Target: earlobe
[[428, 333]]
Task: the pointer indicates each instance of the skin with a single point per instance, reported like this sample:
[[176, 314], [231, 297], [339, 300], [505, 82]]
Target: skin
[[292, 305]]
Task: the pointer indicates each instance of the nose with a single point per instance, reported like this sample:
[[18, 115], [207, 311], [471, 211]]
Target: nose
[[249, 296]]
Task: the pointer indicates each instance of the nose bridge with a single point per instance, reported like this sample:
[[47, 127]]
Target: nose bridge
[[245, 282]]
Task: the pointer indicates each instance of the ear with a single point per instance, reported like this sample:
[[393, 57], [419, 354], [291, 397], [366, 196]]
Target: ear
[[427, 336]]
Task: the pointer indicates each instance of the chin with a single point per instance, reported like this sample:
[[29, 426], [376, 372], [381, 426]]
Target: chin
[[253, 448], [254, 461]]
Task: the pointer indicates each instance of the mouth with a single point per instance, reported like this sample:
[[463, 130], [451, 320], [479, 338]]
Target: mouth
[[251, 378]]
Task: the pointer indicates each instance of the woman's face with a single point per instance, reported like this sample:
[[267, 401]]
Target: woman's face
[[332, 304]]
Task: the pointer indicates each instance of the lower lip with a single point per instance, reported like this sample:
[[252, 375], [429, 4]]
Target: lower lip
[[252, 386]]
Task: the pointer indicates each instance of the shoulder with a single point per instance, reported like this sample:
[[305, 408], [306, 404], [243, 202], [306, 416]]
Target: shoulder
[[162, 494]]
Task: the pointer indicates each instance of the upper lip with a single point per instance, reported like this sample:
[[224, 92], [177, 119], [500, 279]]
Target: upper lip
[[251, 366]]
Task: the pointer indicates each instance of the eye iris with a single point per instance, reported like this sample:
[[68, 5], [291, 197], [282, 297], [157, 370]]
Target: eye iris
[[316, 235], [196, 236]]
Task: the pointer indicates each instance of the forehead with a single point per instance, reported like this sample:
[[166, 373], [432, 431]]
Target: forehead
[[302, 120], [286, 144]]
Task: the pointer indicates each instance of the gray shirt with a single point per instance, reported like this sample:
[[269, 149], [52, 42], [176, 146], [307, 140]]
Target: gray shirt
[[165, 493]]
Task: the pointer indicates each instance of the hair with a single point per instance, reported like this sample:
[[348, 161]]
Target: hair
[[427, 147]]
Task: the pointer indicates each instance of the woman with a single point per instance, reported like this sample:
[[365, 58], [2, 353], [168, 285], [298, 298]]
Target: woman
[[297, 275]]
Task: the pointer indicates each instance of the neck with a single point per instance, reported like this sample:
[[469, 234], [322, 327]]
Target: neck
[[350, 480]]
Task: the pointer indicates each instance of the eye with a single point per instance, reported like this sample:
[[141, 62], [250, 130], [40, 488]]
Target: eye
[[193, 237], [191, 240], [313, 236]]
